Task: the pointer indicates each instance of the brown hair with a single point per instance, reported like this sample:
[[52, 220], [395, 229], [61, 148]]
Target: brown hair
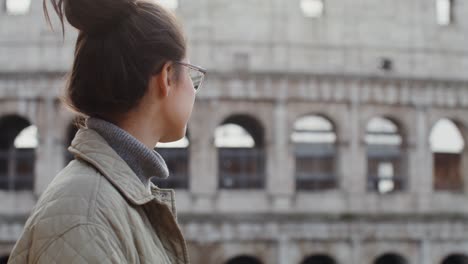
[[121, 44]]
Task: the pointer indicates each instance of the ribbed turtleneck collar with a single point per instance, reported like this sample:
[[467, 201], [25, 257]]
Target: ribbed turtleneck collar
[[145, 162]]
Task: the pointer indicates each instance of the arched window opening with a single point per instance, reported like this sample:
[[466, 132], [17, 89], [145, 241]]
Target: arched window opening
[[385, 156], [244, 260], [241, 155], [447, 146], [456, 259], [17, 7], [319, 259], [314, 141], [390, 259], [4, 260], [18, 142], [176, 156]]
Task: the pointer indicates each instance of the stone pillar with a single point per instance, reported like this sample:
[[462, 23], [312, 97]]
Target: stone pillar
[[421, 180], [281, 183], [425, 255], [60, 136], [284, 252], [203, 158], [61, 139], [355, 178], [356, 250], [343, 150], [46, 164]]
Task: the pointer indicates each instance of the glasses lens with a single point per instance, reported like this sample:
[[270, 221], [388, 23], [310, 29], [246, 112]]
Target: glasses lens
[[197, 78]]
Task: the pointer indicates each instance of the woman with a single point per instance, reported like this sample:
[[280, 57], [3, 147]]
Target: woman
[[132, 80]]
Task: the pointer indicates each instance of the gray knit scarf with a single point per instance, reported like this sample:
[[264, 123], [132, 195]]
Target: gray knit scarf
[[145, 162]]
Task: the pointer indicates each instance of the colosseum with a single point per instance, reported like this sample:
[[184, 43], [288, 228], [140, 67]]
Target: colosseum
[[327, 132]]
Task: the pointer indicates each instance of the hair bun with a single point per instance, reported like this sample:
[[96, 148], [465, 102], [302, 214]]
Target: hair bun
[[91, 16]]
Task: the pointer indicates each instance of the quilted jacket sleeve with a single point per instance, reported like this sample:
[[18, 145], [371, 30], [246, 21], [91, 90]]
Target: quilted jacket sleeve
[[85, 243]]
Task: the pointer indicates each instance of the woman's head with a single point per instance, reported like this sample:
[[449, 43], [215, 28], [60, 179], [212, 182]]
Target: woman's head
[[121, 47]]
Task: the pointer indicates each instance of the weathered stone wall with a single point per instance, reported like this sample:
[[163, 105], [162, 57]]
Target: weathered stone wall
[[268, 61]]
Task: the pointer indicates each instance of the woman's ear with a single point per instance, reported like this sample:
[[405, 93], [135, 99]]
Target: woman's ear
[[163, 80]]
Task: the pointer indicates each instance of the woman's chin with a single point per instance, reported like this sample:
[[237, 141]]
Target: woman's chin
[[172, 138]]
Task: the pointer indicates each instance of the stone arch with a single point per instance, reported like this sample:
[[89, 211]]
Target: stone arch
[[244, 259], [251, 124], [449, 155], [455, 259], [401, 126], [390, 258], [323, 110], [176, 155], [18, 142], [4, 259], [315, 146], [460, 122], [219, 112], [386, 155], [240, 140], [319, 259]]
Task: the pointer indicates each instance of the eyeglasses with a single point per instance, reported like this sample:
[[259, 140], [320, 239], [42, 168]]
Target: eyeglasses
[[197, 74]]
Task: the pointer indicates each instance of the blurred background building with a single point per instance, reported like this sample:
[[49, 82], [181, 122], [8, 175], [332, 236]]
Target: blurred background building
[[328, 131]]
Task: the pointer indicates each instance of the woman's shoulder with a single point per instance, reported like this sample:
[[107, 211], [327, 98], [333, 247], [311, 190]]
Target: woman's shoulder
[[73, 197], [78, 204], [66, 213]]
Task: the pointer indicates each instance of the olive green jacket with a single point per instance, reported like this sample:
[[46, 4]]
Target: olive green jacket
[[96, 210]]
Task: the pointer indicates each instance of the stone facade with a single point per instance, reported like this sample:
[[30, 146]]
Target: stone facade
[[267, 61]]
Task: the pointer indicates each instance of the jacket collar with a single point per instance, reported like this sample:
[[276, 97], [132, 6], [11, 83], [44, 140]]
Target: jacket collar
[[89, 146]]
